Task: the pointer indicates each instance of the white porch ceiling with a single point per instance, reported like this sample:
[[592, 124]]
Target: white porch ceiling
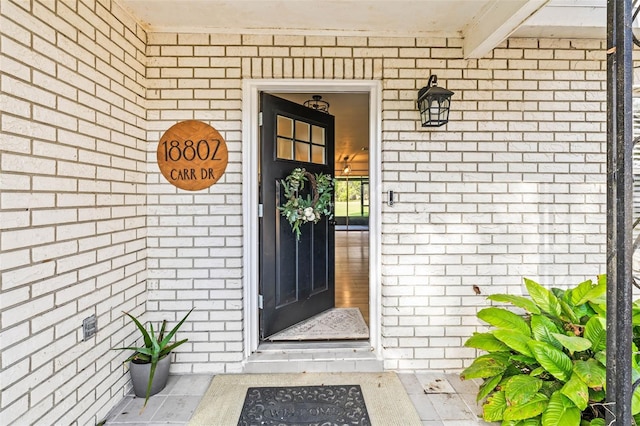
[[482, 23]]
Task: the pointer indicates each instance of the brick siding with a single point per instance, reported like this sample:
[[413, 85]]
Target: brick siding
[[513, 186], [72, 206]]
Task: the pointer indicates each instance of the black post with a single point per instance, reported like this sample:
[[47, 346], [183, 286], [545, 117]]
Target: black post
[[619, 210]]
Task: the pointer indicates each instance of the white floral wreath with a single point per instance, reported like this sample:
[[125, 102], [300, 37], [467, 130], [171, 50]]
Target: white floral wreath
[[299, 210]]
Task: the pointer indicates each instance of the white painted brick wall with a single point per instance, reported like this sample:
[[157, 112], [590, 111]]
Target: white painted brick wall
[[513, 186], [72, 200]]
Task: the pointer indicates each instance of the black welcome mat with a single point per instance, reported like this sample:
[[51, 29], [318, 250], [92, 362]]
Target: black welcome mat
[[305, 405]]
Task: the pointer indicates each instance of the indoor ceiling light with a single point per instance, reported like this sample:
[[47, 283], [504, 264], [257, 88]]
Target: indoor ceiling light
[[347, 167], [317, 103]]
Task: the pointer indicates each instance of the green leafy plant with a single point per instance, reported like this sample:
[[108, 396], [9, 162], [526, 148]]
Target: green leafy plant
[[546, 364], [156, 347]]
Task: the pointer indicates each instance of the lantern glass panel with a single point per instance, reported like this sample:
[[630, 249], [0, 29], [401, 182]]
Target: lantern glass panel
[[434, 110], [434, 104]]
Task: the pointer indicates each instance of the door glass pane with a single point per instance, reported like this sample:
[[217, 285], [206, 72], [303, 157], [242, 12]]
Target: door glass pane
[[302, 131], [317, 135], [285, 149], [317, 154], [302, 151], [285, 127]]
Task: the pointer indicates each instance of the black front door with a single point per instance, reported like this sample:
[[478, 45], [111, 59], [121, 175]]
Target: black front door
[[296, 276]]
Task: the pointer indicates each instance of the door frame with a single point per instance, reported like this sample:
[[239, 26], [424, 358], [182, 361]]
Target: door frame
[[251, 89]]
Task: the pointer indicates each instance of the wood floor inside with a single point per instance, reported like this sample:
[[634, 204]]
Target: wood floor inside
[[352, 271]]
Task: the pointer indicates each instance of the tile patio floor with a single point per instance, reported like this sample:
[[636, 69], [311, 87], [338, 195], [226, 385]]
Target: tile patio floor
[[448, 401]]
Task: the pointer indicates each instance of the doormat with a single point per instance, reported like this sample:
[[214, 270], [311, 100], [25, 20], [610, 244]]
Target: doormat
[[387, 402], [304, 405], [334, 324]]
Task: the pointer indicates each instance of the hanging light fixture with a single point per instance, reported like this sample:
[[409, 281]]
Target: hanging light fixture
[[347, 167], [317, 103], [434, 103]]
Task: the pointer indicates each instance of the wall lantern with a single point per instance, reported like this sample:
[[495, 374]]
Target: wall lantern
[[434, 103]]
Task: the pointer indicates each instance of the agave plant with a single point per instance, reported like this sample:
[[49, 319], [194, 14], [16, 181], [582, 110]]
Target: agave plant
[[156, 347], [546, 364]]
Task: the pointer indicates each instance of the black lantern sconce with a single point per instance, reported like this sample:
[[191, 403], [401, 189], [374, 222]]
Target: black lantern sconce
[[434, 103]]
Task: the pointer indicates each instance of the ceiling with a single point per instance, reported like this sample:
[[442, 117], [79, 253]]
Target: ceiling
[[482, 24]]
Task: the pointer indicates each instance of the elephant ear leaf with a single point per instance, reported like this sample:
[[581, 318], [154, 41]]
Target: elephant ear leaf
[[636, 313], [502, 318], [543, 329], [589, 292], [635, 397], [543, 298], [521, 389], [516, 341], [556, 362], [488, 365], [488, 386], [532, 408], [595, 331], [577, 293], [577, 391], [568, 310], [519, 301], [573, 343], [529, 422], [486, 342], [591, 372], [561, 411], [493, 409]]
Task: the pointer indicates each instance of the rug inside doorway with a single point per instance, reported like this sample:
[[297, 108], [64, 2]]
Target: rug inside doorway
[[384, 395], [333, 324]]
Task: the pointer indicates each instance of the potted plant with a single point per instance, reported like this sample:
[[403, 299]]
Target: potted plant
[[545, 363], [149, 364]]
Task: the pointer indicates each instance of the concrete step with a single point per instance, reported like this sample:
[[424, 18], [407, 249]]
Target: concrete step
[[299, 357]]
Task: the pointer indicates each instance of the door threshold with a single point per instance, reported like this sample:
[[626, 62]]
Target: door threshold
[[300, 357], [314, 345]]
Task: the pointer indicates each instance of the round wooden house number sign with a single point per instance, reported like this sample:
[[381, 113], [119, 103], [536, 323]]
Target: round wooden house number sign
[[192, 155]]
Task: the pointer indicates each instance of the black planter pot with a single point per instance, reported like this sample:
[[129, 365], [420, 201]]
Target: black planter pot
[[140, 376]]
